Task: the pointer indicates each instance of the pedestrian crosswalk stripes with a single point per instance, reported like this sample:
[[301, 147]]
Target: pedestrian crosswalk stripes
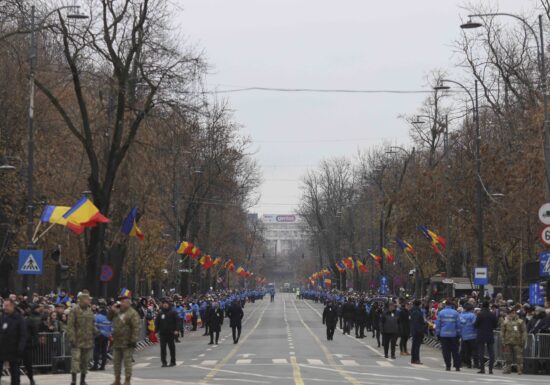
[[314, 361], [349, 362], [385, 364], [244, 361], [209, 362], [279, 361]]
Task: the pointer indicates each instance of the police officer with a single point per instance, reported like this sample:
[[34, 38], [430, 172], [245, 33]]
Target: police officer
[[101, 342], [166, 325], [235, 314], [13, 337], [126, 323], [180, 311], [514, 335], [81, 332], [376, 313], [448, 329], [330, 319], [469, 335]]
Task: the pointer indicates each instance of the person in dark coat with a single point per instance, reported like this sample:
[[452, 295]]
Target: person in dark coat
[[418, 327], [376, 313], [389, 323], [32, 338], [485, 324], [235, 314], [166, 325], [404, 328], [13, 339], [348, 313], [330, 319], [339, 307], [360, 320], [215, 321]]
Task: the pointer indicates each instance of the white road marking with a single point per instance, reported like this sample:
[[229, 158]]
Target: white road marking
[[244, 361], [279, 361], [179, 363], [291, 353], [314, 361], [385, 364], [209, 362], [141, 365], [202, 355], [149, 358], [349, 362]]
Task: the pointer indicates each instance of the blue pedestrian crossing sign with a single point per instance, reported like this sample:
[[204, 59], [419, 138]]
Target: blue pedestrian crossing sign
[[544, 264], [30, 262]]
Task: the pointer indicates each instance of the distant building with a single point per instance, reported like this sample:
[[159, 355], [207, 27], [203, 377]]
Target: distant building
[[286, 239]]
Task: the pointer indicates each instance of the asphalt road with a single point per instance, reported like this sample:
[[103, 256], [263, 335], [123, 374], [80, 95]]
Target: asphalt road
[[284, 343]]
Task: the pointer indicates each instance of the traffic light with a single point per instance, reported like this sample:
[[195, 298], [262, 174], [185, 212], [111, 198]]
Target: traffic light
[[64, 273], [55, 254]]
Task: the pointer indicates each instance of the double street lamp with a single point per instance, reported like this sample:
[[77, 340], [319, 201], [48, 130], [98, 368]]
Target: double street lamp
[[471, 24]]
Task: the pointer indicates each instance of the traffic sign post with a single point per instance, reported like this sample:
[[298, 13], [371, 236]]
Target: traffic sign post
[[30, 262], [481, 276], [384, 288], [544, 264], [106, 273], [536, 298], [544, 213], [545, 236]]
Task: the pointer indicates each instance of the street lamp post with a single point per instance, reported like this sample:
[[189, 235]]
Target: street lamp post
[[30, 129], [542, 68], [479, 188]]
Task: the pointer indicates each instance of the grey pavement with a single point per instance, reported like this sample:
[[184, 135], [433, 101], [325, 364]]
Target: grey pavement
[[284, 343]]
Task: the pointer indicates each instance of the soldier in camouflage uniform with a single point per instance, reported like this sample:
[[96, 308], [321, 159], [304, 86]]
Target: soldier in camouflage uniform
[[81, 332], [126, 323], [514, 335]]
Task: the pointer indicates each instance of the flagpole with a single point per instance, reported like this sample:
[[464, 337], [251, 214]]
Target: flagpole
[[36, 232]]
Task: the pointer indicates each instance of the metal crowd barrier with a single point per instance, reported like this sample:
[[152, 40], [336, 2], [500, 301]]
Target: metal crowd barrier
[[47, 348], [538, 346]]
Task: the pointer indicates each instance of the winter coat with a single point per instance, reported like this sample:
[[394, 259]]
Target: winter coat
[[13, 337], [215, 319], [235, 314], [389, 322], [485, 324]]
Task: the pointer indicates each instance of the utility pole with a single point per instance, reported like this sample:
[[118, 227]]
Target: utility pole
[[479, 189]]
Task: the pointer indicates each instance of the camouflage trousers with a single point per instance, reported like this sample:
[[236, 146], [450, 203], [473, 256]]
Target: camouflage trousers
[[120, 356], [513, 354], [80, 359]]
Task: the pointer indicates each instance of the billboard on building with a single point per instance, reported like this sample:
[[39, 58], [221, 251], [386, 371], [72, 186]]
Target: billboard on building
[[280, 218]]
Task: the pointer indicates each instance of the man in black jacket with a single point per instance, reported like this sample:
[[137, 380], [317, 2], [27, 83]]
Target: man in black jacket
[[389, 323], [485, 324], [404, 328], [360, 320], [13, 338], [348, 313], [166, 325], [235, 314], [418, 326], [215, 321], [330, 319]]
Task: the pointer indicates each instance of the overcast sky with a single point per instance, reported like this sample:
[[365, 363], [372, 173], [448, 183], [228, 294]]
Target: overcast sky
[[338, 44]]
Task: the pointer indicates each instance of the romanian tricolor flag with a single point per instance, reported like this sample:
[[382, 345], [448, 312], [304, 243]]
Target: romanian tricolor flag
[[405, 246], [130, 227], [349, 262], [184, 248], [217, 261], [435, 239], [341, 267], [361, 266], [377, 259], [206, 262], [241, 271], [328, 282], [54, 215], [389, 256], [229, 265], [125, 293], [85, 213]]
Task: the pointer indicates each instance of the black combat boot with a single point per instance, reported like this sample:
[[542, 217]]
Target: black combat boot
[[73, 378]]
